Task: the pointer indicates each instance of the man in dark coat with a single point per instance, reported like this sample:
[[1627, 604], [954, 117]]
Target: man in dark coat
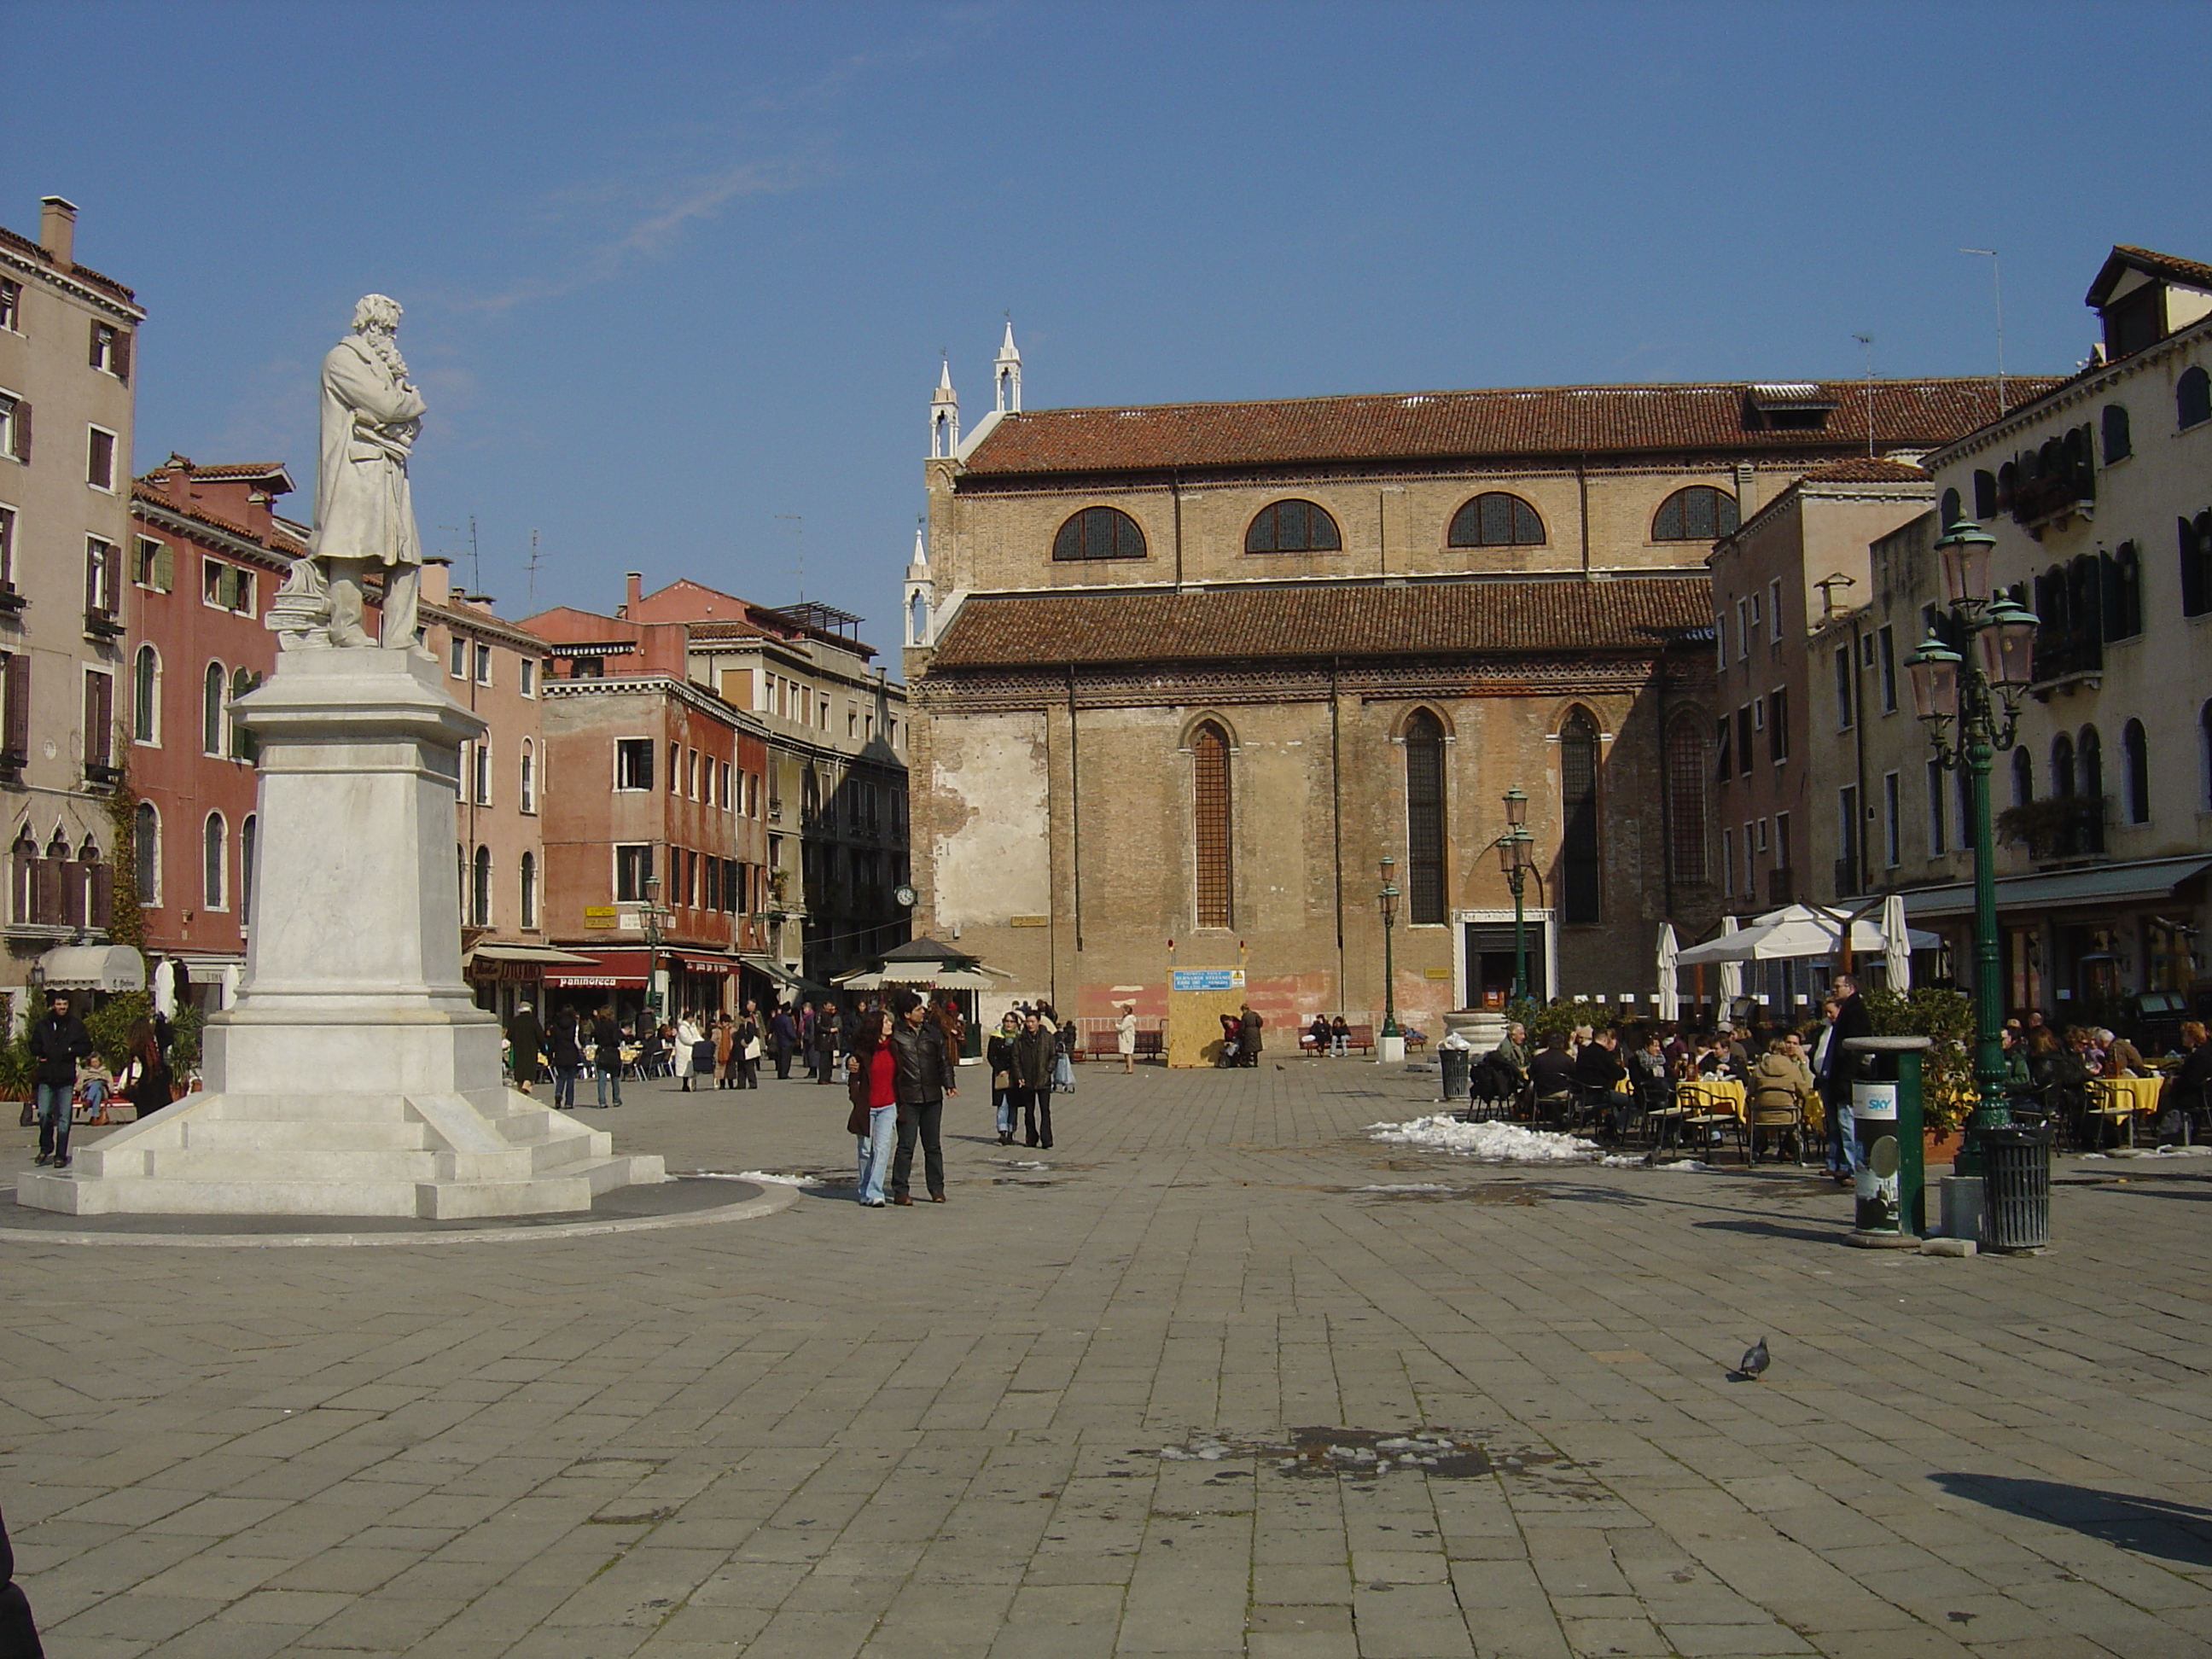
[[58, 1042], [828, 1034], [1597, 1069], [526, 1042], [19, 1637], [923, 1061], [1247, 1037], [1034, 1053], [1838, 1066], [783, 1033]]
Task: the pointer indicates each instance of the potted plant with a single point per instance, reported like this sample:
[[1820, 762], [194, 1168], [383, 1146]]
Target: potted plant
[[1946, 1069]]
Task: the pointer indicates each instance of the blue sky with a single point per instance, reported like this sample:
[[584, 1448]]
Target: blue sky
[[678, 276]]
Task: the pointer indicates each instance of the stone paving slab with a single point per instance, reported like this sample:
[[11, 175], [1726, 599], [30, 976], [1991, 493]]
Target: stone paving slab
[[1112, 1400]]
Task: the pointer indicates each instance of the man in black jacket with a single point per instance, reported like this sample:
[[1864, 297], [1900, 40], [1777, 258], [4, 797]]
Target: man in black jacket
[[921, 1078], [1597, 1068], [1838, 1066], [606, 1055], [58, 1042], [1034, 1051]]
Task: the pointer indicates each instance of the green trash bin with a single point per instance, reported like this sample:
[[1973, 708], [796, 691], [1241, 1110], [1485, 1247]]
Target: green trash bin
[[1457, 1066], [2016, 1186]]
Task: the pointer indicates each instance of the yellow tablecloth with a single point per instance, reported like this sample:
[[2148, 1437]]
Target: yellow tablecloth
[[2140, 1093], [1715, 1094]]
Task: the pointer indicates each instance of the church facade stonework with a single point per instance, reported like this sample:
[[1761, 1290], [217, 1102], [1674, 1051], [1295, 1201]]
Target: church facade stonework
[[1184, 675]]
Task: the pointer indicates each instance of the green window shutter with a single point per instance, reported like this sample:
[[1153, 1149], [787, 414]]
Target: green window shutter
[[165, 568]]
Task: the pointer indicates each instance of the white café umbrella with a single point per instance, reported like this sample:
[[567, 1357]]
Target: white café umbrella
[[1896, 943], [1731, 971], [1670, 993], [1798, 931]]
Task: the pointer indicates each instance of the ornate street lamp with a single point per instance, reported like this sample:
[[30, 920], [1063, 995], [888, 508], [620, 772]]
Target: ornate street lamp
[[1971, 707], [1516, 854], [1386, 901], [649, 915]]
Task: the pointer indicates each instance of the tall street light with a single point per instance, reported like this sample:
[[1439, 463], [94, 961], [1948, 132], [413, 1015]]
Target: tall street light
[[1981, 693], [649, 914], [1386, 901], [1516, 854]]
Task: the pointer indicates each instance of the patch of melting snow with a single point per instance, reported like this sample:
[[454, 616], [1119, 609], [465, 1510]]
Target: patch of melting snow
[[763, 1177], [1353, 1453], [1406, 1186], [1493, 1143]]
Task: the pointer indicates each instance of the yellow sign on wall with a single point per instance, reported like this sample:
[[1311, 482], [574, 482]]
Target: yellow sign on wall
[[598, 915]]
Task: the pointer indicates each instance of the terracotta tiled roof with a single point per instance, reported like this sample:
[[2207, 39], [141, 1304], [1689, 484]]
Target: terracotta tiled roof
[[1445, 618], [2168, 267], [251, 469], [277, 543], [84, 274], [1451, 426], [1866, 469]]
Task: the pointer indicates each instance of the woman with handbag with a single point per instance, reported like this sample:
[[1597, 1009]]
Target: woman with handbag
[[871, 1080], [999, 1055], [746, 1054]]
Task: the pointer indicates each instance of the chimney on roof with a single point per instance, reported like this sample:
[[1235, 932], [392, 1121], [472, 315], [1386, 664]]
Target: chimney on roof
[[58, 228], [634, 591]]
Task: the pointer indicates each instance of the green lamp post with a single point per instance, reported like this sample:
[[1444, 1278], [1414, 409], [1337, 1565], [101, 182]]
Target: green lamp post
[[1970, 704], [1387, 902], [1516, 855]]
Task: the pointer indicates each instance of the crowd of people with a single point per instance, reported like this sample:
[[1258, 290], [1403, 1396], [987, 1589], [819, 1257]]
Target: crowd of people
[[1795, 1075], [68, 1076]]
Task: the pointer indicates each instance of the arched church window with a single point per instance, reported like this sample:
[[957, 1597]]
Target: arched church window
[[1099, 532], [1700, 513], [1211, 825], [1496, 518], [1425, 817], [1292, 526]]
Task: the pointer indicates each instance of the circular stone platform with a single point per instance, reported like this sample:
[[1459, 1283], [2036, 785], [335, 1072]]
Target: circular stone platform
[[681, 1201]]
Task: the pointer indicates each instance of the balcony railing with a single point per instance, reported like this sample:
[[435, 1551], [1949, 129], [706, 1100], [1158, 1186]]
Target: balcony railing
[[2062, 652], [2056, 828]]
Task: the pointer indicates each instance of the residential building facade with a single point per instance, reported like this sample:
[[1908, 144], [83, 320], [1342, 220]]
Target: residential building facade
[[1789, 795], [655, 841], [67, 334], [207, 549], [496, 670], [1185, 675], [836, 781], [2099, 494]]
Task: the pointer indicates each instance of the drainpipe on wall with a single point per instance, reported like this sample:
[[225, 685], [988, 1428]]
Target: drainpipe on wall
[[1582, 491], [1336, 812]]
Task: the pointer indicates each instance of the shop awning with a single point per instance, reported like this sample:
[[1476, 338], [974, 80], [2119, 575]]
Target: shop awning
[[2147, 881], [93, 968], [608, 970], [493, 960]]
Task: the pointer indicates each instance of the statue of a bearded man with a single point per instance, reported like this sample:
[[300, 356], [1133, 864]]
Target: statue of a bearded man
[[364, 514]]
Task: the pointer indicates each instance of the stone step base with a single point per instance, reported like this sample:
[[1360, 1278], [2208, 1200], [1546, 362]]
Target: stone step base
[[440, 1157]]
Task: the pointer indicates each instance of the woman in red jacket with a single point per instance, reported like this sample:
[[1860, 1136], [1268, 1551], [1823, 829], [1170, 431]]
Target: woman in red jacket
[[872, 1068]]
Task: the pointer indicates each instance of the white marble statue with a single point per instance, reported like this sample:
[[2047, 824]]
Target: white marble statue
[[364, 514]]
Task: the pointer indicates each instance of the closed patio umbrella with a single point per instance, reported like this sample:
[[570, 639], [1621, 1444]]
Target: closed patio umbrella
[[1896, 944], [1670, 993], [1731, 972]]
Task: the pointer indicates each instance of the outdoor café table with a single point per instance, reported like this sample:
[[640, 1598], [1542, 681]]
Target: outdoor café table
[[2126, 1098], [1712, 1102]]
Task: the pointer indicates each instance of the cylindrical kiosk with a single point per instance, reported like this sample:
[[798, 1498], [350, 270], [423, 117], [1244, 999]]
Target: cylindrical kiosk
[[1890, 1200]]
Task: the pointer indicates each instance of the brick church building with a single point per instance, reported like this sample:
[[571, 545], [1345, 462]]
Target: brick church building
[[1183, 676]]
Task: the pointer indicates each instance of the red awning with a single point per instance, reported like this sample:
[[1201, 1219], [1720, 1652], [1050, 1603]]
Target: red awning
[[621, 969]]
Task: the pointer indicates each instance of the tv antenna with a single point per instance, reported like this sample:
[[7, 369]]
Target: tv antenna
[[797, 523], [1866, 347], [1996, 287], [533, 574]]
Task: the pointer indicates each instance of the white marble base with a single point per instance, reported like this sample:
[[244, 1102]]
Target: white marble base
[[355, 1076], [1390, 1050], [434, 1156]]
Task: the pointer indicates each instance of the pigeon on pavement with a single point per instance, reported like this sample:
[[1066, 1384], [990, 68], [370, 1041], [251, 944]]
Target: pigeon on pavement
[[1755, 1359]]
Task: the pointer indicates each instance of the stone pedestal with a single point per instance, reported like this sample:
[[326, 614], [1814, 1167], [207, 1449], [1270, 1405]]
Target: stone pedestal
[[354, 1075]]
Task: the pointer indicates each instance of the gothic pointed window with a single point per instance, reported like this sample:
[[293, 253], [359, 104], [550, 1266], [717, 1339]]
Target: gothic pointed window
[[146, 854], [1497, 518], [1211, 825], [480, 905], [1292, 527], [1425, 817], [2135, 753], [1098, 532], [1579, 815], [1700, 513]]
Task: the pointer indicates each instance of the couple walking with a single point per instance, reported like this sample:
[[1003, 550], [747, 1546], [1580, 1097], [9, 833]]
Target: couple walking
[[1023, 1055], [900, 1072]]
